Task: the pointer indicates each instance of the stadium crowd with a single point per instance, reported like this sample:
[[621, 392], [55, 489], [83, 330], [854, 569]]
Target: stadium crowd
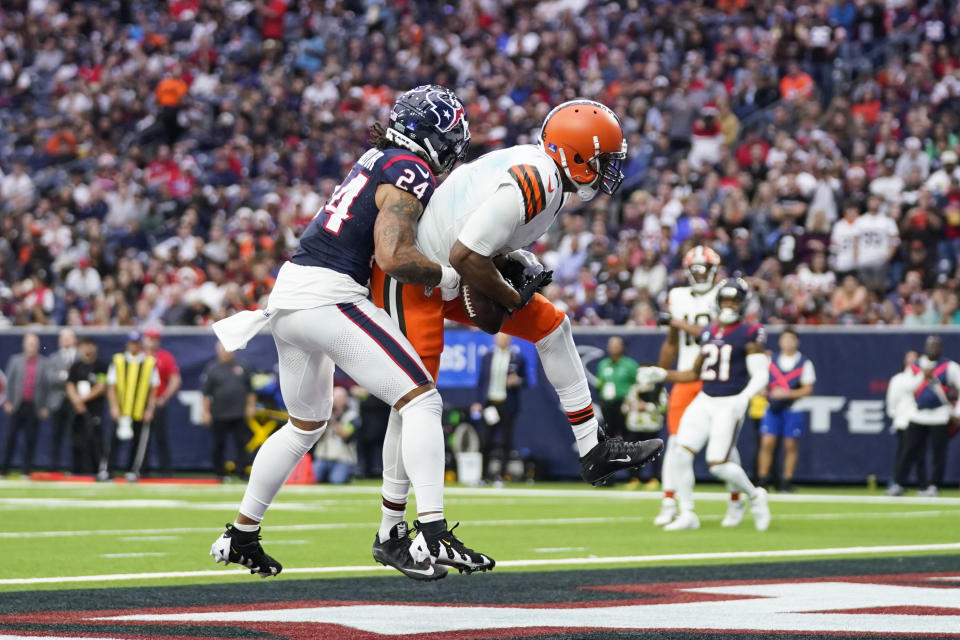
[[160, 158]]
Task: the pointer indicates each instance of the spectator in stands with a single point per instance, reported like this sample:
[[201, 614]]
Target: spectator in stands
[[86, 390], [61, 409], [228, 404], [26, 403], [792, 376], [503, 370], [335, 455], [194, 126], [877, 241], [170, 382], [900, 405], [132, 381]]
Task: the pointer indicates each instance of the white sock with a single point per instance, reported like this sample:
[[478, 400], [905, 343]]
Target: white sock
[[734, 475], [734, 457], [396, 484], [564, 369], [249, 528], [422, 446], [274, 463], [668, 473], [683, 468]]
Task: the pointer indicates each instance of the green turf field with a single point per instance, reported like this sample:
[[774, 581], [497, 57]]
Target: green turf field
[[117, 535]]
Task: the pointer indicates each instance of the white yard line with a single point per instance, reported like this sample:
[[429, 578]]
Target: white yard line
[[540, 562], [146, 554], [480, 492], [132, 534]]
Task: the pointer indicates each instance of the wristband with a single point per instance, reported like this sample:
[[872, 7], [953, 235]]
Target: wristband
[[449, 278]]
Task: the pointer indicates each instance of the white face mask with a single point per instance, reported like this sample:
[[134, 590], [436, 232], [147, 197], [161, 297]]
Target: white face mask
[[728, 315]]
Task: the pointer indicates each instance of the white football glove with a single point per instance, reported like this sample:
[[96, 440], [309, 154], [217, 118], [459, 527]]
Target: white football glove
[[649, 376], [531, 266]]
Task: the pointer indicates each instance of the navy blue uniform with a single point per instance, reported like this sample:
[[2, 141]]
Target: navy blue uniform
[[779, 419], [724, 350], [926, 397], [340, 237]]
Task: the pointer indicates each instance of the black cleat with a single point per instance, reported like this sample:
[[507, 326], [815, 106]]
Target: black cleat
[[613, 454], [243, 547], [436, 542], [395, 552]]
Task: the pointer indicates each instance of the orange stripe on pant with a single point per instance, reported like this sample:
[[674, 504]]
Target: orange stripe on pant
[[681, 396], [420, 316], [423, 317]]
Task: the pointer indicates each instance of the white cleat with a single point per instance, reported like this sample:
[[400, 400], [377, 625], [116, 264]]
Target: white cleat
[[668, 511], [760, 509], [686, 520], [735, 511]]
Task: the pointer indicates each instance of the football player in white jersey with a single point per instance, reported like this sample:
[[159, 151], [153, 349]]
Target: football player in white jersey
[[480, 218], [689, 310]]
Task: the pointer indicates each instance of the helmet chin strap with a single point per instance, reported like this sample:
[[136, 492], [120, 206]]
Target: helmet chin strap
[[585, 192], [403, 141]]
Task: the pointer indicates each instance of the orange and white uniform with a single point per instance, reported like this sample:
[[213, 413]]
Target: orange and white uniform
[[502, 201], [699, 309]]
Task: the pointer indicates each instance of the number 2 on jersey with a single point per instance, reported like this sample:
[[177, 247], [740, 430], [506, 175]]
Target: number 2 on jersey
[[712, 354], [339, 204]]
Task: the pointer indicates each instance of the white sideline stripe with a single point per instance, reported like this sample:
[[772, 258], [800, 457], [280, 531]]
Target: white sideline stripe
[[133, 555], [506, 492], [131, 533], [558, 549], [146, 503], [542, 562]]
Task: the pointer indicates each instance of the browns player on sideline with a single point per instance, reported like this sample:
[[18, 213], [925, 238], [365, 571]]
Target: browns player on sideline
[[320, 316], [733, 367], [484, 213], [689, 310]]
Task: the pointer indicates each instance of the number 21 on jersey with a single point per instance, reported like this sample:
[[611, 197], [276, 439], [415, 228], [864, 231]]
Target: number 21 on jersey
[[716, 362], [339, 204]]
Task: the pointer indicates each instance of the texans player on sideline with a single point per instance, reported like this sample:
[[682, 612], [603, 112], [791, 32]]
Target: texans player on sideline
[[320, 316], [484, 213], [733, 367], [689, 310]]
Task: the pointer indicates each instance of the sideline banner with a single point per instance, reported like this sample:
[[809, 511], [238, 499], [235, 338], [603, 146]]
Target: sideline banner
[[847, 440]]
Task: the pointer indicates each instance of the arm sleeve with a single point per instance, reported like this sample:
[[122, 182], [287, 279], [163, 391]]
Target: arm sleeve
[[809, 374], [953, 375], [758, 365], [490, 227], [891, 399]]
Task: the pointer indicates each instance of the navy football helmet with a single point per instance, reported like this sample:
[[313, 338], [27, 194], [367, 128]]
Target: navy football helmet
[[737, 290], [431, 121]]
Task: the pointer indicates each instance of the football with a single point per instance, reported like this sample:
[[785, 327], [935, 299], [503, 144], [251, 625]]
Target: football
[[485, 314]]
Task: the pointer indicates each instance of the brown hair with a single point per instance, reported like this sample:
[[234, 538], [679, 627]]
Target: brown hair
[[378, 136]]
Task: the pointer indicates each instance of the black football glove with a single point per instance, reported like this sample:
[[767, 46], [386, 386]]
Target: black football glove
[[512, 272], [664, 318], [531, 285]]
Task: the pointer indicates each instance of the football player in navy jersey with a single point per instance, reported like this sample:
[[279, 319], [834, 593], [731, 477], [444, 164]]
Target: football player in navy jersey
[[733, 367], [321, 317]]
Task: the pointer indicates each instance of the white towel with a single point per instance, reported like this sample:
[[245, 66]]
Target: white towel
[[235, 332]]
